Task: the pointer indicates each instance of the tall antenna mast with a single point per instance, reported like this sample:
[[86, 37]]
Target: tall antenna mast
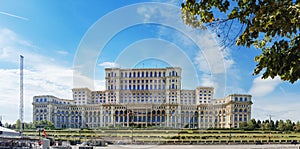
[[21, 94]]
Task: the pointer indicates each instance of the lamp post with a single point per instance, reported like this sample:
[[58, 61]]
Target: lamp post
[[132, 133], [270, 129], [230, 131], [132, 122], [80, 134]]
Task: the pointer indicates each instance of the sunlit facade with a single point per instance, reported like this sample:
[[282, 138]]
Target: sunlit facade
[[143, 97]]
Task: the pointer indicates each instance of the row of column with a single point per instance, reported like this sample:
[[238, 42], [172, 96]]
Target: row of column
[[165, 120]]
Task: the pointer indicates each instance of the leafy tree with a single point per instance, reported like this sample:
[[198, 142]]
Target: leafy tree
[[276, 124], [297, 126], [258, 124], [43, 124], [6, 125], [252, 124], [269, 25], [18, 124], [266, 125], [243, 125], [288, 125], [262, 125], [281, 125], [272, 125], [28, 125]]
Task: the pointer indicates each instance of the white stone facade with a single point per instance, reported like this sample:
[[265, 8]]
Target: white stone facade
[[145, 97]]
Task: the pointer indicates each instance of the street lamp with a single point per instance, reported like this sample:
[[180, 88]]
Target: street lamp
[[230, 131], [132, 122]]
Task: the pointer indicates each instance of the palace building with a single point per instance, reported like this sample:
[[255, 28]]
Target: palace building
[[143, 97]]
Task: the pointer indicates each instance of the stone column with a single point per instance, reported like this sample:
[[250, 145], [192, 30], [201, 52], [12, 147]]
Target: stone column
[[112, 111], [168, 115], [101, 116], [127, 115], [146, 118], [123, 122]]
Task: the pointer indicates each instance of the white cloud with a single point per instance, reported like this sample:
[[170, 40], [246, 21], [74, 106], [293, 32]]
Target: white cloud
[[280, 105], [99, 85], [62, 52], [211, 59], [42, 76], [9, 39], [262, 87], [109, 65], [206, 80], [52, 81]]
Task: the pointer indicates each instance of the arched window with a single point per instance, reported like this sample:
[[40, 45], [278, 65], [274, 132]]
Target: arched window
[[158, 112], [153, 112], [196, 113], [235, 99]]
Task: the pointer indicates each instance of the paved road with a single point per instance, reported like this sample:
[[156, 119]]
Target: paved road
[[272, 146]]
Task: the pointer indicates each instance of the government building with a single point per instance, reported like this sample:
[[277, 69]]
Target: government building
[[143, 97]]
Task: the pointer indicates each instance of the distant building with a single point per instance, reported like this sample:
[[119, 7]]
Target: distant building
[[145, 97]]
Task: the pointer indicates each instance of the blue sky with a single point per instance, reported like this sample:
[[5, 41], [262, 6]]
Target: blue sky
[[68, 44]]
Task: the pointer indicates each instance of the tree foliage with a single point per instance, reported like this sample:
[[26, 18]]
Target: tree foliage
[[297, 127], [279, 125], [18, 124], [43, 124], [269, 25]]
